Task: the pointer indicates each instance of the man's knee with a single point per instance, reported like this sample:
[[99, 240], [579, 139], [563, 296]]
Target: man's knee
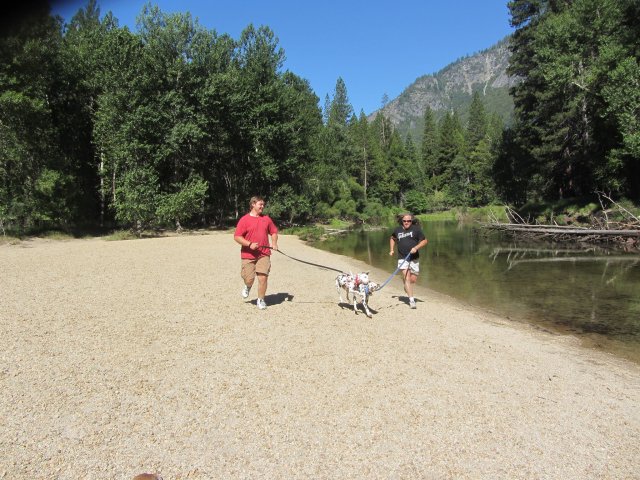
[[262, 277]]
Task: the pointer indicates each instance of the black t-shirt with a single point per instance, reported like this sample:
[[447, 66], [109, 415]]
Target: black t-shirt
[[407, 239]]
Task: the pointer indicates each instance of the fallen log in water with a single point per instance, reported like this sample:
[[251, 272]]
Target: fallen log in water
[[561, 229], [630, 238]]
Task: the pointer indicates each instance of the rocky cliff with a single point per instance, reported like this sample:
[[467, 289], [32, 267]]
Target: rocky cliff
[[452, 88]]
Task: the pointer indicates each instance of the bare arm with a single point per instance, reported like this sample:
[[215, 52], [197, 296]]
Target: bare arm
[[245, 243], [274, 241], [392, 245], [419, 245]]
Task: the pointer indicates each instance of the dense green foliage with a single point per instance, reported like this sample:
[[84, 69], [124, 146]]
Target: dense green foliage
[[175, 125], [577, 109]]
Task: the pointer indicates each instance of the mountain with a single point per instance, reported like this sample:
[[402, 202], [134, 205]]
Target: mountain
[[452, 88]]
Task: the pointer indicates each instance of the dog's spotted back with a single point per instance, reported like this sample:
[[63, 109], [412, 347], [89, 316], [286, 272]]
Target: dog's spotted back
[[359, 285], [351, 281]]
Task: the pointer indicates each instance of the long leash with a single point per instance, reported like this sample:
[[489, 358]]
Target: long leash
[[406, 259], [302, 261]]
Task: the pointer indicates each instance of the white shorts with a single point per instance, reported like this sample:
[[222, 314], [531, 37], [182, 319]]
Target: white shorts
[[414, 267]]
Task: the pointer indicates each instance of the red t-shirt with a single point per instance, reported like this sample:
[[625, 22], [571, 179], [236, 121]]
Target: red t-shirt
[[255, 229]]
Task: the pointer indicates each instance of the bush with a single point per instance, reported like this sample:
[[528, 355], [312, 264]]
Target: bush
[[288, 206], [346, 208], [137, 199], [183, 205], [308, 234], [416, 201], [375, 213], [438, 201]]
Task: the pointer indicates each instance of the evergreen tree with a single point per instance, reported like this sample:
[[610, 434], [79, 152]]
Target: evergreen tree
[[398, 177], [337, 154], [429, 148], [384, 187], [450, 170], [477, 124], [340, 110], [37, 186], [364, 145], [84, 45], [480, 154], [570, 56]]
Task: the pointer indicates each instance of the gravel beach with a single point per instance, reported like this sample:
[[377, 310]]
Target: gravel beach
[[124, 357]]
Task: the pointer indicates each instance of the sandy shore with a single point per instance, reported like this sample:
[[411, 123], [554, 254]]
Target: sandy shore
[[124, 357]]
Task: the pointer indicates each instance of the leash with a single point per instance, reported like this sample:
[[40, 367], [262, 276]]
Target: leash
[[406, 259], [302, 261]]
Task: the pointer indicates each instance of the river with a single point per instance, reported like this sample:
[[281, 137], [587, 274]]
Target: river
[[589, 292]]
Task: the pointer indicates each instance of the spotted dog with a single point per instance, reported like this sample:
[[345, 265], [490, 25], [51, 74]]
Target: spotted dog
[[359, 285]]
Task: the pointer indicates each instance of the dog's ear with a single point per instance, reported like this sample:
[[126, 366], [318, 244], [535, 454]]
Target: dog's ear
[[367, 272]]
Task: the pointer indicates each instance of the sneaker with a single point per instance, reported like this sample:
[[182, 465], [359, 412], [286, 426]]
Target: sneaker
[[412, 303], [245, 291], [261, 304]]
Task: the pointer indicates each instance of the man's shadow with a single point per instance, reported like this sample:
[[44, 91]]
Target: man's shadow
[[406, 299], [277, 298]]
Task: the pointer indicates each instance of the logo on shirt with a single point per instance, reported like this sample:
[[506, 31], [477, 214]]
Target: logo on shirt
[[402, 235]]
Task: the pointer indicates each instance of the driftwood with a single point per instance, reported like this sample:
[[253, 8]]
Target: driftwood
[[625, 233], [628, 239], [562, 229]]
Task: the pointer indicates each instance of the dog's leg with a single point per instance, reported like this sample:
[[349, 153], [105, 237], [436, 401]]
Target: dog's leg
[[366, 306], [339, 290], [355, 301]]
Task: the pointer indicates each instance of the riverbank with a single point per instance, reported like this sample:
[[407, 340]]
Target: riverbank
[[131, 356]]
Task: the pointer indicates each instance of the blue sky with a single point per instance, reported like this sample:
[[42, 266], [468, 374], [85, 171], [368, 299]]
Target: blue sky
[[377, 47]]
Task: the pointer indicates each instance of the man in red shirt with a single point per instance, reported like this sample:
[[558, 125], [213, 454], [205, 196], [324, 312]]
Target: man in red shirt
[[252, 232]]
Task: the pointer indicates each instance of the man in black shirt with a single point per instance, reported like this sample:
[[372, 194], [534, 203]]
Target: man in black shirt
[[410, 239]]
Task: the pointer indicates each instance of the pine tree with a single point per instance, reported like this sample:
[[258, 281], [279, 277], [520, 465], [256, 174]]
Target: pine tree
[[340, 110], [450, 149], [477, 124], [429, 148], [570, 56]]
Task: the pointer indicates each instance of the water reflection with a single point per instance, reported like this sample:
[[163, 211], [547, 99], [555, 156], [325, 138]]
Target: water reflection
[[591, 292]]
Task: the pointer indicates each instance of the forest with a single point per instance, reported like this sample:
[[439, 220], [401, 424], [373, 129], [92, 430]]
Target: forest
[[177, 126]]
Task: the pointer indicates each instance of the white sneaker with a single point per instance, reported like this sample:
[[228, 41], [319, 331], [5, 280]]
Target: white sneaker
[[412, 303], [245, 291], [261, 304]]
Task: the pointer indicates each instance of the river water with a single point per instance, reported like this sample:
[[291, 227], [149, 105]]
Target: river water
[[589, 292]]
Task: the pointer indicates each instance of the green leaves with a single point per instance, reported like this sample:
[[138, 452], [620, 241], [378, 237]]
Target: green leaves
[[576, 104], [137, 198], [184, 204]]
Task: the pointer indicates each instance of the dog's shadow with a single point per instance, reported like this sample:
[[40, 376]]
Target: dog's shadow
[[349, 306], [277, 298]]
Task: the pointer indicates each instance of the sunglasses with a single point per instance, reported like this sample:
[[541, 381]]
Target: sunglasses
[[406, 221]]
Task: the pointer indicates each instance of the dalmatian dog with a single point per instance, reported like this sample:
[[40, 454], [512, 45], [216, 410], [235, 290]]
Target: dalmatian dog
[[359, 286]]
